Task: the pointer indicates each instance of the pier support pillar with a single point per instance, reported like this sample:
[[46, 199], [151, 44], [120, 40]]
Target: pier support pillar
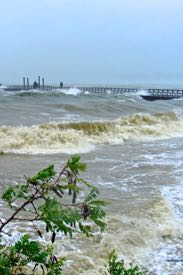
[[43, 82], [27, 83], [24, 83], [39, 83]]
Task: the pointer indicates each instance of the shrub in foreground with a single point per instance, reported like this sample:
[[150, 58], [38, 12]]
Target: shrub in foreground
[[41, 201], [116, 267], [42, 198]]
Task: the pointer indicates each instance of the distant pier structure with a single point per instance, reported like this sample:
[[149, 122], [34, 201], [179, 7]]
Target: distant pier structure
[[156, 92], [101, 90], [152, 94], [27, 85]]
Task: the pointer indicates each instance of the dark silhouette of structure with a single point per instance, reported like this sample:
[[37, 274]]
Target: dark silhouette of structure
[[35, 85]]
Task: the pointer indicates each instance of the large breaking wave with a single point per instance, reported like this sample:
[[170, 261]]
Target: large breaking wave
[[80, 137]]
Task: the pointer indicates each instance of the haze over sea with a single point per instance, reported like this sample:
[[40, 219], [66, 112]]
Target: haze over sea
[[133, 149]]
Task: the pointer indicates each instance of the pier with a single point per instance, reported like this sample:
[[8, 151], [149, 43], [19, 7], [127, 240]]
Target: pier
[[151, 93], [100, 90], [92, 90], [169, 93]]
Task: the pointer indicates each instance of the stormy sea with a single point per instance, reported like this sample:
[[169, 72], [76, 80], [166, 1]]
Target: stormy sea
[[133, 150]]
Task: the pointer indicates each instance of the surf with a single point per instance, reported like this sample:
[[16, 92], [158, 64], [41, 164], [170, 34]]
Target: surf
[[84, 136]]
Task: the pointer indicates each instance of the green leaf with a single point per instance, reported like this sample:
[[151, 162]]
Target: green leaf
[[22, 191], [14, 258], [86, 229], [96, 214], [116, 267], [75, 165], [30, 249], [71, 186], [43, 175], [92, 194], [58, 218], [88, 184], [9, 195]]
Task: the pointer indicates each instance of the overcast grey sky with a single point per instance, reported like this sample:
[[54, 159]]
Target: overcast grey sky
[[91, 41]]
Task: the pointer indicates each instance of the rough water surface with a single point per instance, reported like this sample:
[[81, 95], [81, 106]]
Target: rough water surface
[[133, 149]]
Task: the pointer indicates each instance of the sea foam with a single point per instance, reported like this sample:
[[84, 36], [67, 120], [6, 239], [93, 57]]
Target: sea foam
[[83, 136]]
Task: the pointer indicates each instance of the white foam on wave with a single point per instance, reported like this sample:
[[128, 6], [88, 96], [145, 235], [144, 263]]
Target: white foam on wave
[[108, 92], [71, 91], [179, 99], [141, 238], [83, 136], [138, 94], [134, 236], [168, 258], [175, 196], [142, 92], [87, 93], [3, 86]]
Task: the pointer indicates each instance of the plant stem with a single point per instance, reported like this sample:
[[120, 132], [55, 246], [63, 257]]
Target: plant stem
[[17, 211]]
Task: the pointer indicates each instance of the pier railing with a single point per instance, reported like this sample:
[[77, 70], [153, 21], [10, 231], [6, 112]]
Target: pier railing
[[177, 93]]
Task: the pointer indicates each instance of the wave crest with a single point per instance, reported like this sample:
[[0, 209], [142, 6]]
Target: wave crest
[[79, 137]]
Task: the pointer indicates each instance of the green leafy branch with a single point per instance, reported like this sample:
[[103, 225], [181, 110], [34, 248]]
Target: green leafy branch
[[116, 267], [41, 198], [13, 259]]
